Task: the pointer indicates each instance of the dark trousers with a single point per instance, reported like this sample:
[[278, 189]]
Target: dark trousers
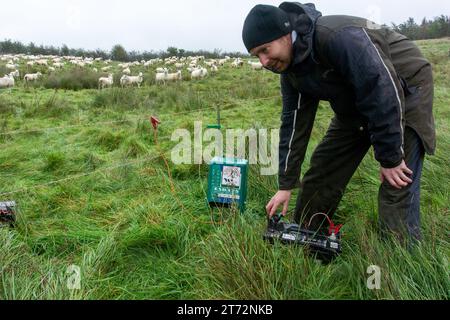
[[333, 164]]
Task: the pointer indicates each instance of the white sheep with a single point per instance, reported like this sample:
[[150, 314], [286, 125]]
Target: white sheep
[[199, 73], [221, 62], [32, 76], [105, 82], [126, 71], [174, 76], [123, 80], [130, 80], [255, 65], [162, 70], [161, 77], [7, 81], [42, 62], [237, 63], [15, 74], [10, 66], [196, 74]]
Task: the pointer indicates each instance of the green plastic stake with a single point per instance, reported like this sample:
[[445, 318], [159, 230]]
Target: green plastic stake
[[216, 126]]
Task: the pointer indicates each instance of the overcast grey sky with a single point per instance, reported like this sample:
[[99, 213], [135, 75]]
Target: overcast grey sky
[[155, 25]]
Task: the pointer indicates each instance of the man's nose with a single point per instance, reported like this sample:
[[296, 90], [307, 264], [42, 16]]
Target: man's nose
[[264, 60]]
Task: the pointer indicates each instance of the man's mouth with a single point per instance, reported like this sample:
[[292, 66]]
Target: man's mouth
[[275, 66]]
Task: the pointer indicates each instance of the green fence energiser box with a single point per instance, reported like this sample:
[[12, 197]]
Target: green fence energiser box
[[227, 182]]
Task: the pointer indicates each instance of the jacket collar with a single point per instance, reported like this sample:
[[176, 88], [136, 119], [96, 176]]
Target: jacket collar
[[303, 19]]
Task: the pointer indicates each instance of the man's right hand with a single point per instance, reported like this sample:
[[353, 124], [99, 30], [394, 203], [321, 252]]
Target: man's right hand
[[281, 198]]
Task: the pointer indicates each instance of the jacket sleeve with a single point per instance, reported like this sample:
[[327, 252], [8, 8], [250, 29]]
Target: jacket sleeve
[[378, 91], [297, 119]]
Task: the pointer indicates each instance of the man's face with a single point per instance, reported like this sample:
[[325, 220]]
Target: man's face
[[275, 56]]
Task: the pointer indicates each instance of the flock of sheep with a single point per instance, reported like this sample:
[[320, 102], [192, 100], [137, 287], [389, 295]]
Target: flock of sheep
[[197, 67]]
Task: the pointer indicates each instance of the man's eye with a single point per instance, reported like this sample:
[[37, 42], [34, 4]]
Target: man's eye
[[265, 50]]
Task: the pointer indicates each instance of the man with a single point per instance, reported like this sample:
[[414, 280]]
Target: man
[[380, 88]]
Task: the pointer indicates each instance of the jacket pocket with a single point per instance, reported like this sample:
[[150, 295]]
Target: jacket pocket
[[413, 100]]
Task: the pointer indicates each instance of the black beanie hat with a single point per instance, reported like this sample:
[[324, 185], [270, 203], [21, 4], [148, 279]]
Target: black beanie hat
[[264, 24]]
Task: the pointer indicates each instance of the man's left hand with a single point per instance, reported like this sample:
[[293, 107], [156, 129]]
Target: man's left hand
[[397, 177]]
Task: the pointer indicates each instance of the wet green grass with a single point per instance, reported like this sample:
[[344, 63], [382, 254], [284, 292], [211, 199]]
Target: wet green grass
[[114, 213]]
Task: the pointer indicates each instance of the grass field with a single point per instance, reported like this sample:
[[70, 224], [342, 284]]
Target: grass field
[[93, 191]]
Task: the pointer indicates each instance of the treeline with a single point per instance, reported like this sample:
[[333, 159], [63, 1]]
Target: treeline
[[117, 53], [428, 29]]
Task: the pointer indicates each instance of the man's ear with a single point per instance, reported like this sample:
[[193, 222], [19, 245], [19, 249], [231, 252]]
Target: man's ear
[[288, 38]]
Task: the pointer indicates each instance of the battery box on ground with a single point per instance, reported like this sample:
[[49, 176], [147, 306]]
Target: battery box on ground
[[325, 247]]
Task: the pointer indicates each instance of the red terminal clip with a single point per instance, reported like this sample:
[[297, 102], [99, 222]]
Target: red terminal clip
[[334, 229], [155, 122]]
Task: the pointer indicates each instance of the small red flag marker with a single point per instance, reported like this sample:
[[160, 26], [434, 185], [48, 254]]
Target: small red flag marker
[[155, 122]]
